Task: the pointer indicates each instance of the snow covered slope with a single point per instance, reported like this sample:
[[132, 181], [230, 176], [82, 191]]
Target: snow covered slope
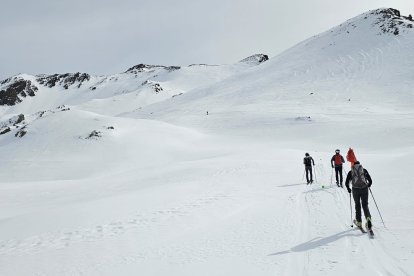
[[138, 86], [127, 174]]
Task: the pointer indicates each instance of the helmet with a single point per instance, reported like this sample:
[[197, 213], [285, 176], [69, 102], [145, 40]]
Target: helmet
[[306, 154], [337, 150]]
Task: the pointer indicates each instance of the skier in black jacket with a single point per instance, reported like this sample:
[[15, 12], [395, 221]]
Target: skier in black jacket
[[308, 161], [361, 181]]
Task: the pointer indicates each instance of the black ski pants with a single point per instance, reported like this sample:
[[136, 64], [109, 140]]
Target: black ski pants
[[361, 197], [308, 170], [338, 171]]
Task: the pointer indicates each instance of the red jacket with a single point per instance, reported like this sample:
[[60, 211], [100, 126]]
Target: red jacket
[[337, 160]]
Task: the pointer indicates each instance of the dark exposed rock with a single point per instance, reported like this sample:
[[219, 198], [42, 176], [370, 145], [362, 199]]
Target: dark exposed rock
[[17, 89], [14, 121], [5, 81], [94, 134], [4, 130], [20, 118], [150, 68], [173, 96], [391, 21], [64, 80], [110, 127], [42, 113], [256, 59], [22, 132], [63, 108], [156, 87]]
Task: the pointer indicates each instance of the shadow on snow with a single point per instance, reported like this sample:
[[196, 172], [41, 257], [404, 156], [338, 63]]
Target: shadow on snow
[[316, 242]]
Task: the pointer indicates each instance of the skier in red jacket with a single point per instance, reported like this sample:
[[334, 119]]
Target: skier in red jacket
[[336, 161]]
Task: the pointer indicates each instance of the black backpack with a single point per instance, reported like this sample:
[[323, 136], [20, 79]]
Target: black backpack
[[307, 161]]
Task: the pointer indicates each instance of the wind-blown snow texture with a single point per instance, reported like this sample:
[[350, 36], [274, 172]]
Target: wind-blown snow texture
[[128, 175]]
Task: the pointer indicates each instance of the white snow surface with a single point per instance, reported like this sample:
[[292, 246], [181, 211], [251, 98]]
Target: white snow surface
[[165, 189]]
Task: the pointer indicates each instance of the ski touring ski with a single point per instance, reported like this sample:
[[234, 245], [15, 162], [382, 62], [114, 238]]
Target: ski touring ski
[[360, 227], [370, 233]]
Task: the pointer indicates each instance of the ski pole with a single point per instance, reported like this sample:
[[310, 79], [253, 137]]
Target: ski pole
[[314, 172], [377, 206], [331, 176], [303, 177], [350, 206]]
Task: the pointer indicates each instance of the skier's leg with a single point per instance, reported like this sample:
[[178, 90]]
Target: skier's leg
[[311, 176], [307, 174], [357, 200], [340, 174], [364, 199], [336, 175]]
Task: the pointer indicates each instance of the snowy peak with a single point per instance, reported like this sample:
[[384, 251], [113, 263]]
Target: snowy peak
[[386, 21], [391, 21], [255, 59]]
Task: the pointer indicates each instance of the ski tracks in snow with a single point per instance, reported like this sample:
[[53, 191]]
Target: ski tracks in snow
[[325, 243], [235, 211], [138, 222]]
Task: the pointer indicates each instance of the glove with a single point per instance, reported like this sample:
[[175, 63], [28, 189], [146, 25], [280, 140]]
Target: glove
[[349, 189]]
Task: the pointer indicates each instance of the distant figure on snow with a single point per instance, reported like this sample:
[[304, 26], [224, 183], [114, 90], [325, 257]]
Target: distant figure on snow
[[336, 161], [361, 181], [207, 112], [308, 162]]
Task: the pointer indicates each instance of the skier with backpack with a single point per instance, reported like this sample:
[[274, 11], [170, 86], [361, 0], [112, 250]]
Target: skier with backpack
[[361, 181], [308, 162], [336, 162]]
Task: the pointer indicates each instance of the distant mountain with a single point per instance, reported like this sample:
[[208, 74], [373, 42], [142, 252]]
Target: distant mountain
[[364, 59], [15, 89], [364, 63]]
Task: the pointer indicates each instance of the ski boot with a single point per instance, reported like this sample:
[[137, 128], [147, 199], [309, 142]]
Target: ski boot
[[368, 224]]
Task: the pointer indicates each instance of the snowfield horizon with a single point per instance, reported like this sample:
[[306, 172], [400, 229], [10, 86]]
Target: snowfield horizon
[[184, 170]]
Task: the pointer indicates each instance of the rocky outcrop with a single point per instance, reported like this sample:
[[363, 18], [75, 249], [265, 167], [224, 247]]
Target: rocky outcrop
[[255, 59], [94, 134], [21, 123], [22, 132], [64, 80], [156, 87], [4, 130], [390, 21], [15, 89], [150, 68], [12, 123]]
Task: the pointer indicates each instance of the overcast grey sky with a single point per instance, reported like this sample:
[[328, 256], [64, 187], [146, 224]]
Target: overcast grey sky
[[105, 37]]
